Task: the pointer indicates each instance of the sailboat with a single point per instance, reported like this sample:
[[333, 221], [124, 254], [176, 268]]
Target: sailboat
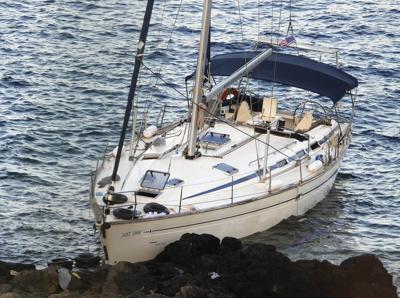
[[239, 163]]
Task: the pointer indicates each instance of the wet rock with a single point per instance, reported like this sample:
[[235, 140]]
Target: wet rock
[[201, 266], [192, 292], [37, 282], [5, 275], [125, 278], [92, 280], [137, 294], [6, 267], [5, 288], [16, 266], [229, 244], [368, 277], [189, 247], [10, 295], [66, 294]]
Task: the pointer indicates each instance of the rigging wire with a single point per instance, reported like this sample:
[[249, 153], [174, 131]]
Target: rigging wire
[[210, 114], [258, 23], [290, 27], [167, 46], [238, 129], [240, 20], [161, 25], [276, 57], [272, 19], [214, 116], [158, 38], [158, 75]]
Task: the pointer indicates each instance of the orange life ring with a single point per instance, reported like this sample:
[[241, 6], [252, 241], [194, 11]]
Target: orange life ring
[[227, 92]]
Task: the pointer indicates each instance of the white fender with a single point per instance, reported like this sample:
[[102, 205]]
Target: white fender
[[315, 166], [150, 131]]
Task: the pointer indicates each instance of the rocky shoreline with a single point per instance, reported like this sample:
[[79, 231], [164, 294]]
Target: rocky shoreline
[[203, 266]]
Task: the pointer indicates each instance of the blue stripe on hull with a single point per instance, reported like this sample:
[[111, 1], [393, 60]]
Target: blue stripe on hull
[[226, 185]]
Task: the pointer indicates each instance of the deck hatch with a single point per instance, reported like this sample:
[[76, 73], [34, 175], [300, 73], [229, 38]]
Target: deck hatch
[[215, 138], [155, 180], [226, 168], [174, 182]]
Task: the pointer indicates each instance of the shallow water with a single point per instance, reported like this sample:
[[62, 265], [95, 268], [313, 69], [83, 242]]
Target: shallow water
[[64, 77]]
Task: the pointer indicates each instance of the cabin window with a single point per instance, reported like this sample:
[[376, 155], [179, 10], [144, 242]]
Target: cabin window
[[314, 146], [323, 140], [226, 168], [281, 163], [155, 180], [298, 155]]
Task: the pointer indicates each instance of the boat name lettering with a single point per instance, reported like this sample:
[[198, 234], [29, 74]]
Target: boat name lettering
[[131, 234]]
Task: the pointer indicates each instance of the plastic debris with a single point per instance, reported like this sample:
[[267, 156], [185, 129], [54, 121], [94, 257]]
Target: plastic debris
[[64, 277], [213, 275]]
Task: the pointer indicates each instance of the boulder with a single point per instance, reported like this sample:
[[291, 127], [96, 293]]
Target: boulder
[[368, 277], [10, 295], [229, 244], [5, 275], [17, 266], [125, 278], [6, 267], [192, 292], [190, 246], [36, 282]]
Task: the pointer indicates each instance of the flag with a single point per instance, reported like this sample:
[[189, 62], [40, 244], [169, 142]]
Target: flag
[[287, 41]]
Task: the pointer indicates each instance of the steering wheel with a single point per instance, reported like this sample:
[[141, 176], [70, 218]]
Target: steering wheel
[[309, 105]]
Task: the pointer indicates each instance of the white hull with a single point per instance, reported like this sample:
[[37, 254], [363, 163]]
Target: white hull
[[141, 240]]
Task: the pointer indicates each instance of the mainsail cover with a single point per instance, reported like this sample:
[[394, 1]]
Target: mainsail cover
[[291, 70]]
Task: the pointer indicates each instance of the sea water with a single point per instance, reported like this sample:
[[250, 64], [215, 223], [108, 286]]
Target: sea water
[[65, 70]]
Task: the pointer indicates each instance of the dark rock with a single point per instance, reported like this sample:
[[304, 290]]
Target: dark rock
[[229, 244], [36, 282], [368, 277], [67, 294], [198, 266], [87, 279], [137, 294], [61, 262], [16, 266], [193, 292], [5, 275], [10, 295], [189, 247], [78, 284], [125, 278], [87, 260]]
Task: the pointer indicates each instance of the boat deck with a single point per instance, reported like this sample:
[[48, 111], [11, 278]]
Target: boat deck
[[229, 170]]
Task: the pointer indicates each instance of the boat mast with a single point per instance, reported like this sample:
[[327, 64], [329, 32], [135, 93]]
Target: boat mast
[[132, 90], [198, 88]]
